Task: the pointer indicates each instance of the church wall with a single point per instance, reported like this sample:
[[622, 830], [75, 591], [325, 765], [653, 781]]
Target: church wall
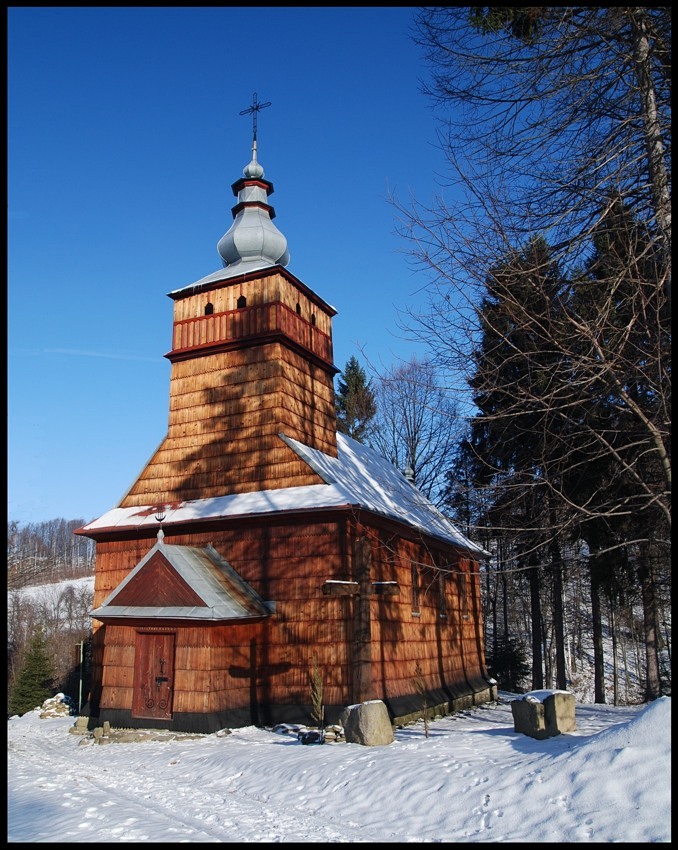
[[442, 633], [216, 665], [261, 670]]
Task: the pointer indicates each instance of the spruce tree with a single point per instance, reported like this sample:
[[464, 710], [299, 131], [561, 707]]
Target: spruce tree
[[355, 401], [34, 682]]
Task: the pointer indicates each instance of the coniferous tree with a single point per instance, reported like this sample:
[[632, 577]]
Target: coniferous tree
[[516, 434], [355, 401], [34, 683], [624, 486]]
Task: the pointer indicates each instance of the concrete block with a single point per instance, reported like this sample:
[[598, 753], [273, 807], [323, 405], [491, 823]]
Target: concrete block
[[528, 718]]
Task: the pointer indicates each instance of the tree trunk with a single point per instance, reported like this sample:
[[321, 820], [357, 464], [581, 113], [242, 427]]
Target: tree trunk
[[625, 662], [656, 150], [558, 612], [615, 668], [646, 575], [598, 653], [535, 610]]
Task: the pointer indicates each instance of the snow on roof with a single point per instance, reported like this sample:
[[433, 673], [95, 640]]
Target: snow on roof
[[239, 268], [373, 483], [358, 477]]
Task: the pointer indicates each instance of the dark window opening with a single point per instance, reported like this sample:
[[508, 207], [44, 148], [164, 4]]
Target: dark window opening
[[442, 590], [209, 308], [298, 308], [463, 592], [313, 319], [415, 589], [241, 302]]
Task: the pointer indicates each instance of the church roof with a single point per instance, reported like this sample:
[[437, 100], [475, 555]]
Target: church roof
[[184, 583], [252, 242], [236, 269], [358, 477]]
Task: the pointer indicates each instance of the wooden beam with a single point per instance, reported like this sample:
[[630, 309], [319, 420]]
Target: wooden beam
[[341, 588], [362, 626], [385, 588]]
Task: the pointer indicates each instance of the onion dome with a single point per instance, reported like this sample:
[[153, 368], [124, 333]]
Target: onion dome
[[253, 237]]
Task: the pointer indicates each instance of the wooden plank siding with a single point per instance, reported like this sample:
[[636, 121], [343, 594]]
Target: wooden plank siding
[[251, 324], [263, 669]]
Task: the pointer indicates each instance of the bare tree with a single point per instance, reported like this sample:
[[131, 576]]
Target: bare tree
[[42, 552], [417, 426], [557, 127]]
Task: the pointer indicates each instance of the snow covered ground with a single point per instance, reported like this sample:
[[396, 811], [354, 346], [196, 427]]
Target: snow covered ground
[[473, 779]]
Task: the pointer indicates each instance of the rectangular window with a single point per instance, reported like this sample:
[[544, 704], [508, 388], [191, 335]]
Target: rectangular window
[[442, 594], [463, 589], [415, 588]]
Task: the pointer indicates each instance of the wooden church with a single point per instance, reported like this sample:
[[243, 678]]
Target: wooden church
[[259, 544]]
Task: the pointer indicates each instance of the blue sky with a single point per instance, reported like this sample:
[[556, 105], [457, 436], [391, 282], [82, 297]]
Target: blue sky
[[124, 137]]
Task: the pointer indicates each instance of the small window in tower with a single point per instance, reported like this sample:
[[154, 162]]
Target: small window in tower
[[241, 302], [298, 309], [209, 308], [313, 319]]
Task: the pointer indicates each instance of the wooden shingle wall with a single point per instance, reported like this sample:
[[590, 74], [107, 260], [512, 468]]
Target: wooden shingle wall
[[226, 411], [220, 667]]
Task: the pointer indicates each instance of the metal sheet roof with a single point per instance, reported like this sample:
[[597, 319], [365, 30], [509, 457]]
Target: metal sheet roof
[[225, 594]]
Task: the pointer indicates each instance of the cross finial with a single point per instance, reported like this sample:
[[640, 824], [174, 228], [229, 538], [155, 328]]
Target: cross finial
[[256, 106], [160, 516]]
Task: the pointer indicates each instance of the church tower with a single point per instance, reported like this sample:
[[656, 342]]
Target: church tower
[[251, 360], [282, 543]]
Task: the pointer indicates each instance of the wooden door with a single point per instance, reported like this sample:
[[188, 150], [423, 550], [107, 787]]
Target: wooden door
[[153, 675]]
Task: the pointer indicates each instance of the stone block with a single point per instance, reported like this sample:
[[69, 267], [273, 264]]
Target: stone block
[[544, 714], [528, 718], [559, 713], [80, 727], [367, 723]]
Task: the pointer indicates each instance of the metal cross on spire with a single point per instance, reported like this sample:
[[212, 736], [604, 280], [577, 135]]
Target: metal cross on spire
[[256, 106]]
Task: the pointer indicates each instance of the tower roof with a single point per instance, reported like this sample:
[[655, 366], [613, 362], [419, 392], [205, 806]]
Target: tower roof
[[253, 238], [252, 242]]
